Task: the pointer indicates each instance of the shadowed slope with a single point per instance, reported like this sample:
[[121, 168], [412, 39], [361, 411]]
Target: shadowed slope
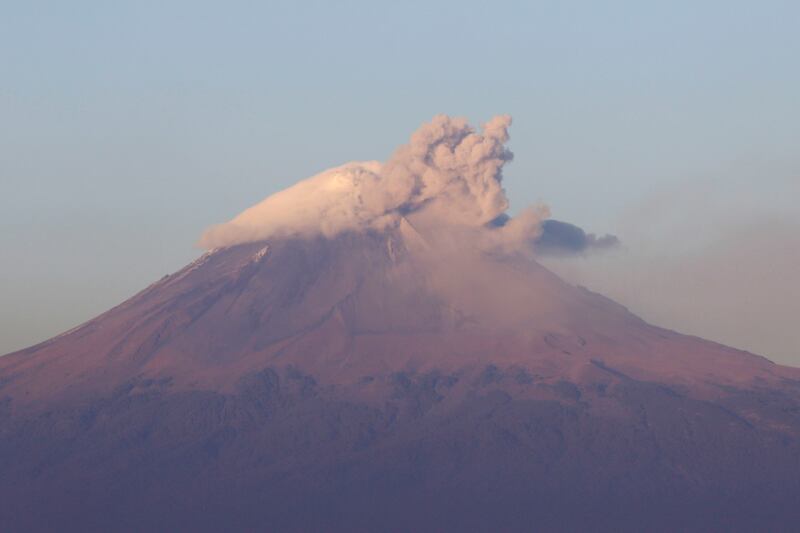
[[358, 383]]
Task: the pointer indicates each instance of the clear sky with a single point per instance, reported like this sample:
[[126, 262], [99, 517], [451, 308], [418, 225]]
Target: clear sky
[[126, 128]]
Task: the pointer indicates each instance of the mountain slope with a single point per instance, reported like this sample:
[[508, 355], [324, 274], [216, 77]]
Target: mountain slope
[[379, 380]]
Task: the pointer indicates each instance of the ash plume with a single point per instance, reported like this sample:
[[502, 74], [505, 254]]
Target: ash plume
[[448, 174]]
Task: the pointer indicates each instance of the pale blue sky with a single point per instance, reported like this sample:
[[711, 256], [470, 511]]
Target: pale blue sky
[[126, 128]]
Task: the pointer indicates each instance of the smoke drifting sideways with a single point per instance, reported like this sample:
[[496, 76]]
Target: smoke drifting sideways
[[447, 175], [563, 238], [557, 238]]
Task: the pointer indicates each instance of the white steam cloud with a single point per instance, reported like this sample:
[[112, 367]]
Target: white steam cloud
[[448, 174]]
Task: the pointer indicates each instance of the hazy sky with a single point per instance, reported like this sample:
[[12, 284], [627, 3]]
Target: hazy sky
[[127, 128]]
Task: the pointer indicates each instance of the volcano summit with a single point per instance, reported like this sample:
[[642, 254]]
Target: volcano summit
[[377, 349]]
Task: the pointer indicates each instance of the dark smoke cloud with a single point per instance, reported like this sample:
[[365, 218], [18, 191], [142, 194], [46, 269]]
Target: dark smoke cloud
[[559, 238], [563, 238]]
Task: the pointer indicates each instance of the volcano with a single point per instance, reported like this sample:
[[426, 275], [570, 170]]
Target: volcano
[[393, 378]]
